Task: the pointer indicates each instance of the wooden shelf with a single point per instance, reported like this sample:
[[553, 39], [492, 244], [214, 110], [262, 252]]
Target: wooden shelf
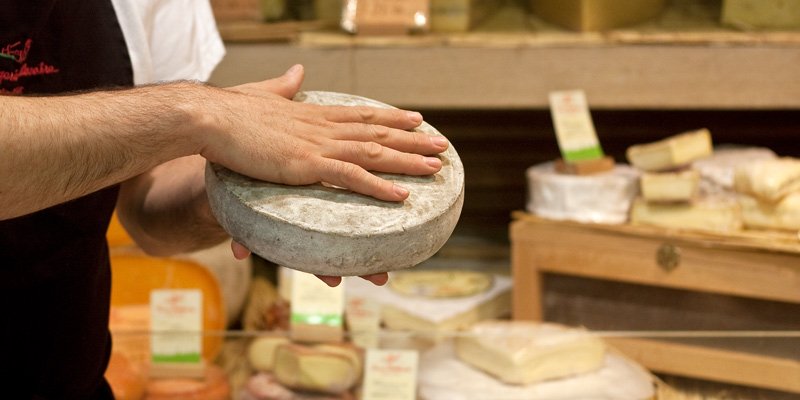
[[683, 60]]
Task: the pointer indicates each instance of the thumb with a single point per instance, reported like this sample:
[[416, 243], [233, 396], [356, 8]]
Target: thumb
[[288, 84]]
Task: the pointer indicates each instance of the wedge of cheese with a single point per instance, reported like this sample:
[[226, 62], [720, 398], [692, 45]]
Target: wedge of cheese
[[322, 368], [702, 215], [783, 215], [261, 352], [672, 152], [769, 180], [522, 352], [669, 186]]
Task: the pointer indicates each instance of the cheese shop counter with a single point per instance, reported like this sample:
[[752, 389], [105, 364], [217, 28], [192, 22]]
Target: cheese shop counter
[[427, 334]]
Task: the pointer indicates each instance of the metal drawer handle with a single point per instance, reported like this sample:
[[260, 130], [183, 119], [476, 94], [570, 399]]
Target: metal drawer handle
[[668, 257]]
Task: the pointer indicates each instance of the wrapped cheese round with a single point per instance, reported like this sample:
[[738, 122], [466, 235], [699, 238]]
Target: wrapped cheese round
[[600, 198], [332, 231]]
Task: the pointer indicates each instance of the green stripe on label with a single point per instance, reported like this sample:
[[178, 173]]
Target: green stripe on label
[[589, 153], [316, 319], [177, 358]]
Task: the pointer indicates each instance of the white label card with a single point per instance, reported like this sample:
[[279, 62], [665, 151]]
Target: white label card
[[176, 320], [575, 131], [363, 321], [314, 302], [390, 375]]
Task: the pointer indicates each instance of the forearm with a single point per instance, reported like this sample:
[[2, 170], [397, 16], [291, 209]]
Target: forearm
[[166, 210], [58, 148]]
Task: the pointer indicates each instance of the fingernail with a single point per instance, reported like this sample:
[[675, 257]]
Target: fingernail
[[402, 192], [433, 162], [414, 116], [439, 141], [295, 69]]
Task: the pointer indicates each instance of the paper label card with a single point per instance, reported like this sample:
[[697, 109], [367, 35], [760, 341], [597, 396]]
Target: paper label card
[[575, 131], [314, 302], [363, 321], [390, 375], [176, 322]]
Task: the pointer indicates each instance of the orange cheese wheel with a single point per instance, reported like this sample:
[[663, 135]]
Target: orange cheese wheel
[[134, 276], [116, 234]]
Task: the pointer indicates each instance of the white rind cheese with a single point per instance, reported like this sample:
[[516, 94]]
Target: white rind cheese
[[717, 172], [526, 352], [769, 180], [599, 198]]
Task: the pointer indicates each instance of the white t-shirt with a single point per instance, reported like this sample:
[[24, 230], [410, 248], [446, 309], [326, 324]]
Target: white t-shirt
[[170, 39]]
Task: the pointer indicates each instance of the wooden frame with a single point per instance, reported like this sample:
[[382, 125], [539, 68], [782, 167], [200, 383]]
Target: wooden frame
[[738, 265]]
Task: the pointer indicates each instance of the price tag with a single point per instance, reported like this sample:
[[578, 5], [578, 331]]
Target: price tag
[[316, 309], [390, 16], [176, 322], [575, 131], [363, 321], [390, 375]]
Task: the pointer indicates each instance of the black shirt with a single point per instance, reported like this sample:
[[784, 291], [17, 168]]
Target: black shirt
[[54, 264]]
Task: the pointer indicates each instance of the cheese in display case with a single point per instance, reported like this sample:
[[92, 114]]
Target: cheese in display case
[[599, 198]]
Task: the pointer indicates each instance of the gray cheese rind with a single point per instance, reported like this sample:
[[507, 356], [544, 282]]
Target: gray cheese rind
[[331, 231]]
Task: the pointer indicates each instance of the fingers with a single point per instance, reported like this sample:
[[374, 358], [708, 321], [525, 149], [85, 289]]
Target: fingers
[[286, 85], [375, 157], [357, 179], [394, 118], [377, 279], [409, 142], [331, 281], [239, 252]]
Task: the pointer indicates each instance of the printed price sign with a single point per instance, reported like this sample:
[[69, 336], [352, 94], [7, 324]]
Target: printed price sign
[[575, 132]]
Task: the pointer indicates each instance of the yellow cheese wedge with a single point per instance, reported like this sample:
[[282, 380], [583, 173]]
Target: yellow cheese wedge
[[769, 180], [320, 368], [522, 352], [670, 186], [783, 215], [702, 215], [672, 152]]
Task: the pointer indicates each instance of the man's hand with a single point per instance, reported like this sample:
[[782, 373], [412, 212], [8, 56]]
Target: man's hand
[[241, 252], [258, 131]]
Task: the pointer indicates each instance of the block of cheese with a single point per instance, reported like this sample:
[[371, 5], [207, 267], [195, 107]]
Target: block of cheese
[[669, 186], [716, 215], [599, 198], [522, 352], [594, 15], [784, 215], [321, 368], [717, 172], [261, 352], [672, 152], [769, 180], [440, 283], [442, 376], [460, 15]]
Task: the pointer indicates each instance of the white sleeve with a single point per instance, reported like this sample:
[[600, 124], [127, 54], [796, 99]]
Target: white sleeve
[[170, 39]]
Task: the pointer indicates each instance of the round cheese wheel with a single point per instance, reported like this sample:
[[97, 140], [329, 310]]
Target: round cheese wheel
[[332, 231], [440, 284], [599, 198], [134, 276]]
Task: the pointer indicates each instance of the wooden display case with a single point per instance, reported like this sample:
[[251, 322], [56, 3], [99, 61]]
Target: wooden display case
[[757, 267]]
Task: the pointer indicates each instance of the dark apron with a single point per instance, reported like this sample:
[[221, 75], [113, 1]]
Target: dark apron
[[54, 266]]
